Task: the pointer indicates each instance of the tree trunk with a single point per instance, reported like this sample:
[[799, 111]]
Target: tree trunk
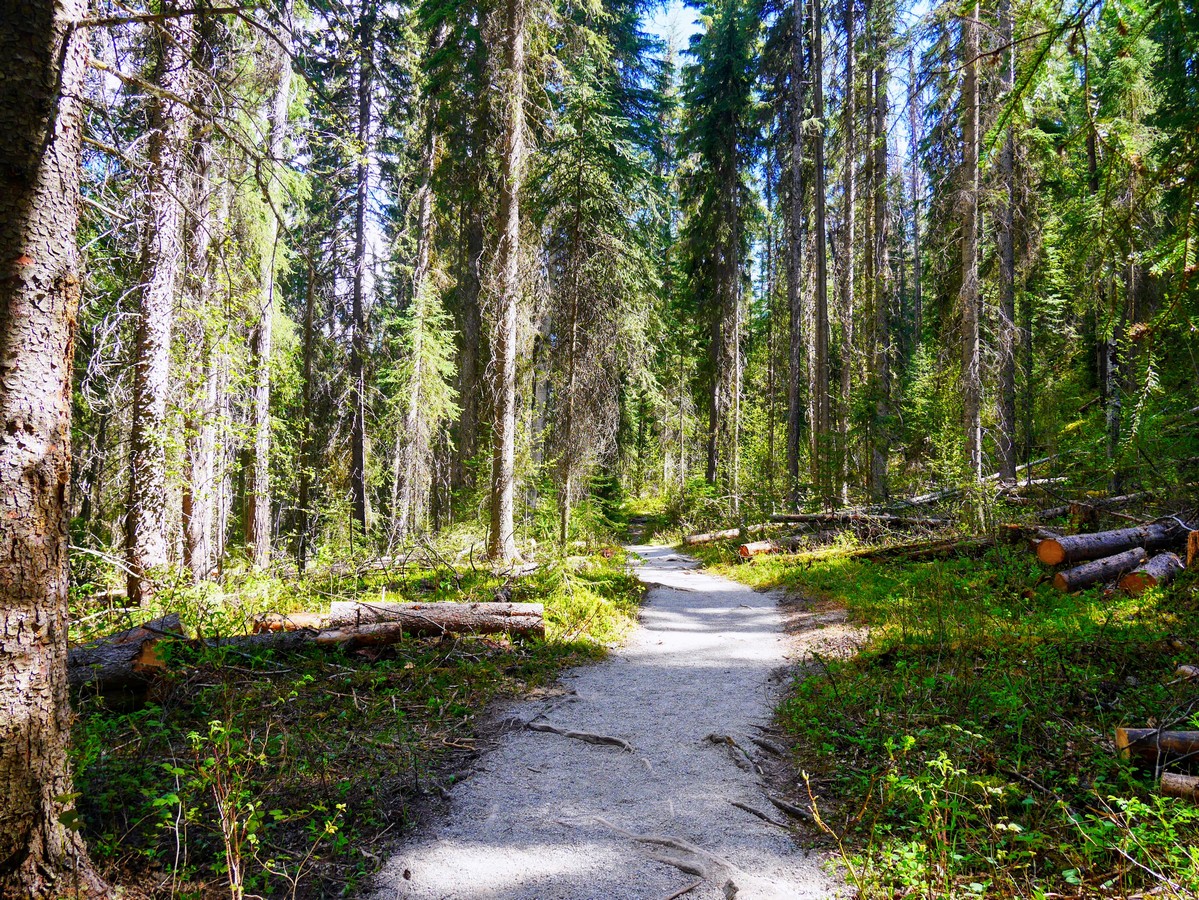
[[969, 295], [821, 470], [1184, 786], [258, 491], [881, 266], [412, 444], [795, 254], [849, 187], [43, 57], [1098, 571], [501, 541], [914, 155], [200, 414], [160, 264], [358, 487], [1006, 438], [303, 524]]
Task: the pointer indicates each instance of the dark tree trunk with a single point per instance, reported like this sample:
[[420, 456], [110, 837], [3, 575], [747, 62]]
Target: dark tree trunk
[[42, 63], [160, 266]]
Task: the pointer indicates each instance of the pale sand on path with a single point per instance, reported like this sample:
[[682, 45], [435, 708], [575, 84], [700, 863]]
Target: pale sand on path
[[544, 816]]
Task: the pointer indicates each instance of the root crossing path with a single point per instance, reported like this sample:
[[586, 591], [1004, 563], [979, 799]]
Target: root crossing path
[[639, 782]]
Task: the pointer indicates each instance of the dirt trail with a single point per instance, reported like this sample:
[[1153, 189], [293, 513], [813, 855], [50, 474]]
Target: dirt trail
[[549, 816]]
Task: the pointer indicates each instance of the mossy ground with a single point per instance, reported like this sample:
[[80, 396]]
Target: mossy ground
[[966, 750]]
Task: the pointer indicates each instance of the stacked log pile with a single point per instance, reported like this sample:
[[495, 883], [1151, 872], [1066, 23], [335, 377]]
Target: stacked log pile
[[1140, 557]]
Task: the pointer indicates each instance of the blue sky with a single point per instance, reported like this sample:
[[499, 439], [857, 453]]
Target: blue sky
[[675, 20]]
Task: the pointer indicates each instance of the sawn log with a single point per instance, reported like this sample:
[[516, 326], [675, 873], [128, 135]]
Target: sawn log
[[1161, 569], [1184, 786], [1143, 745], [1099, 570], [344, 617], [1079, 547]]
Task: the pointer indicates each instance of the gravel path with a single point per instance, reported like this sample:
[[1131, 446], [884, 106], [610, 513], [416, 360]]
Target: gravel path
[[552, 817]]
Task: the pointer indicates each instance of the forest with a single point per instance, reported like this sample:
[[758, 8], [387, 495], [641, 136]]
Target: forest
[[309, 305]]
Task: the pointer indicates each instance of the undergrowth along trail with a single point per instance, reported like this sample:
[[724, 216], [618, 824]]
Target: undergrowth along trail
[[966, 750]]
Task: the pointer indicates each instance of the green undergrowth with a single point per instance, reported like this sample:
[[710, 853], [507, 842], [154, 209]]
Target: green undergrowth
[[966, 750], [286, 774]]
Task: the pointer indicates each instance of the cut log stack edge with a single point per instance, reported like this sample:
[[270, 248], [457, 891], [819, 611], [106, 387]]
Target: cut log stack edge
[[1140, 558], [128, 661]]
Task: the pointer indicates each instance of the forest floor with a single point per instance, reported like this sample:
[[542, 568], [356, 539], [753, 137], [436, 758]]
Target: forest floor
[[666, 801], [291, 772], [965, 749]]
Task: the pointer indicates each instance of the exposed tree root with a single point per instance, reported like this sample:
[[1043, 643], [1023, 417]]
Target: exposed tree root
[[737, 753], [765, 817], [789, 808], [770, 746], [687, 857], [585, 736], [687, 890]]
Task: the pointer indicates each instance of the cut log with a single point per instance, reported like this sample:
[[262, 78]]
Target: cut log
[[1153, 747], [1192, 549], [851, 518], [1185, 787], [728, 534], [526, 619], [1160, 570], [1099, 570], [123, 661], [1079, 547], [289, 622], [756, 548]]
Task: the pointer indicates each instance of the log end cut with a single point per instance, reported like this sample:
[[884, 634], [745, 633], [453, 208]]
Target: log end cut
[[1051, 552]]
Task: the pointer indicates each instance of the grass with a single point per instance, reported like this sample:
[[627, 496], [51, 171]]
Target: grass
[[966, 750], [286, 774]]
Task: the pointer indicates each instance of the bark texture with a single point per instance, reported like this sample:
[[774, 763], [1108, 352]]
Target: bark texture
[[365, 81], [162, 253], [1100, 570], [42, 64], [821, 470], [1054, 551]]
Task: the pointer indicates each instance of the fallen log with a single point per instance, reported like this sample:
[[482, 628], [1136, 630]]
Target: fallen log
[[122, 661], [1160, 570], [709, 537], [1192, 549], [416, 618], [1099, 570], [849, 518], [1185, 787], [1101, 503], [1079, 547], [756, 548], [527, 619], [1152, 746], [915, 551]]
